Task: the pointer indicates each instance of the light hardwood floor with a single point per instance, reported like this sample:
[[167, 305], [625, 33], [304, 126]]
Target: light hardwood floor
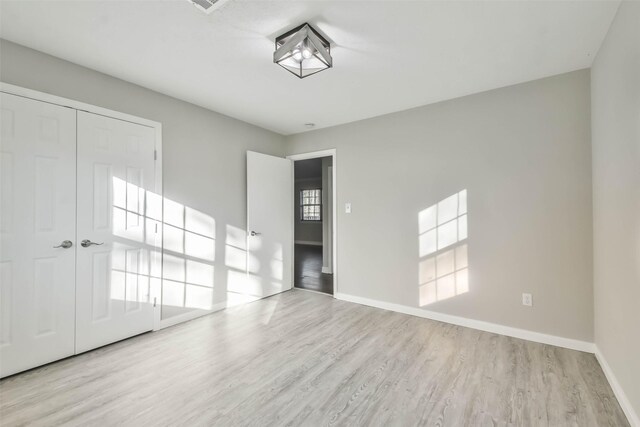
[[304, 359]]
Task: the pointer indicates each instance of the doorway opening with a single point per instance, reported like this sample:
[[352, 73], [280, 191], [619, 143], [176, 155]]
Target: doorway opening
[[314, 222]]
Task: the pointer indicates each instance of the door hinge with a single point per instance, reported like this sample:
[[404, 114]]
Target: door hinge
[[155, 154], [156, 228], [154, 301]]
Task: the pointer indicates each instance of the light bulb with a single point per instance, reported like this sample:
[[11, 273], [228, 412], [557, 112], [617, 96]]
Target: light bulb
[[307, 53], [297, 55]]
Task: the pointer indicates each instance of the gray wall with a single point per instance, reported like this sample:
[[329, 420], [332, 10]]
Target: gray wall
[[306, 231], [615, 87], [522, 153], [204, 160]]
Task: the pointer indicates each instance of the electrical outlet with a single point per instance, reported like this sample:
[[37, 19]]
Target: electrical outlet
[[347, 208], [527, 300]]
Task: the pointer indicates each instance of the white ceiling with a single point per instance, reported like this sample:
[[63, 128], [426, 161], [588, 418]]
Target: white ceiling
[[388, 55]]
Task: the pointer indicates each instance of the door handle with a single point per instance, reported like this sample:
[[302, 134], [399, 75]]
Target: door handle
[[66, 244], [86, 243], [255, 233]]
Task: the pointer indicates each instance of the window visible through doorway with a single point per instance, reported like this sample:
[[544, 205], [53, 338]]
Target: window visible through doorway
[[311, 205]]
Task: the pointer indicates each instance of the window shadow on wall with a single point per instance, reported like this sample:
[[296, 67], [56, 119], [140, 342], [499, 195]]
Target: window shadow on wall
[[181, 276], [443, 269]]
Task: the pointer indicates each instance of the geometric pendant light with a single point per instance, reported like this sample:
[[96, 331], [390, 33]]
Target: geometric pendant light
[[303, 51]]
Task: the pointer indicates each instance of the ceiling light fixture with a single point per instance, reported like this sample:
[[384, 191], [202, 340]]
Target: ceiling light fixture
[[207, 6], [303, 51]]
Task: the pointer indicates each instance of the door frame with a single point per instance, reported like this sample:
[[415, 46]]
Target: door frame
[[333, 153], [156, 294]]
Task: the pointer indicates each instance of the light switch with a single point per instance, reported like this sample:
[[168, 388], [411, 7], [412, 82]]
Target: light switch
[[347, 208]]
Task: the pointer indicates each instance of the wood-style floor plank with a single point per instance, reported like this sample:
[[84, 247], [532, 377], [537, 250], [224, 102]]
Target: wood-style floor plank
[[300, 358], [307, 270]]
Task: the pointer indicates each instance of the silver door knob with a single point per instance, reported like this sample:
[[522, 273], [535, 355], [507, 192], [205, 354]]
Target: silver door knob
[[66, 244], [86, 243], [255, 233]]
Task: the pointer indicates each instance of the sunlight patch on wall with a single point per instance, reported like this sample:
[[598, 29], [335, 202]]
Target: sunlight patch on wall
[[443, 224], [182, 277], [444, 275], [443, 267], [185, 273], [189, 232]]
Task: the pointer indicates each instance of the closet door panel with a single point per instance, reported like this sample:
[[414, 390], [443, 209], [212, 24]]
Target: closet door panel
[[37, 212], [116, 170]]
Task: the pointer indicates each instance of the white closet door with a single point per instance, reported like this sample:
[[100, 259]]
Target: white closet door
[[116, 199], [37, 212]]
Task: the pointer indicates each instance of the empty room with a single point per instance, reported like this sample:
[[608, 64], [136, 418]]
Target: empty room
[[315, 212]]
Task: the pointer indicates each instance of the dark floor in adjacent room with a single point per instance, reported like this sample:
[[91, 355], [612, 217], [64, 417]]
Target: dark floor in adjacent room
[[308, 270]]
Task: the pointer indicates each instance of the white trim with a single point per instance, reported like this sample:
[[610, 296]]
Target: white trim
[[623, 400], [326, 270], [185, 317], [158, 243], [293, 226], [307, 242], [332, 152], [77, 105], [474, 324]]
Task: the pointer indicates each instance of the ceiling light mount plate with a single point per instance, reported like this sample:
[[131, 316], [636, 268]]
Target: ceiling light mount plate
[[303, 51], [207, 6]]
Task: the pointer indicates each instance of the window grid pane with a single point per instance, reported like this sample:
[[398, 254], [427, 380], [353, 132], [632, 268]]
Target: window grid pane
[[310, 205]]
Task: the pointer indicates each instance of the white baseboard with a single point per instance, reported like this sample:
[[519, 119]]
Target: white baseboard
[[623, 400], [308, 242], [474, 324], [327, 270], [194, 314]]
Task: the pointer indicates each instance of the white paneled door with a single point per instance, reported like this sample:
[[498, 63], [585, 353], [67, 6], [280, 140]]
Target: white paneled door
[[37, 232], [269, 224], [118, 230]]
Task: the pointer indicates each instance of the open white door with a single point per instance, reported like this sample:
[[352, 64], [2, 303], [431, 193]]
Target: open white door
[[118, 236], [269, 225], [37, 233]]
